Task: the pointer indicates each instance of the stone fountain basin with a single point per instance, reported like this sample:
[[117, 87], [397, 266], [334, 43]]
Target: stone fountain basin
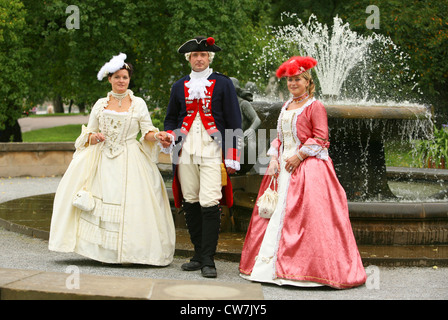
[[377, 112], [356, 111], [357, 133], [373, 222]]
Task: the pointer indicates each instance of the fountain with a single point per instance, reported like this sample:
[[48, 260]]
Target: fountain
[[359, 121], [358, 128]]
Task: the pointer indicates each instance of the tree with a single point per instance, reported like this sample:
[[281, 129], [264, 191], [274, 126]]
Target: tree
[[54, 62], [14, 62], [149, 32]]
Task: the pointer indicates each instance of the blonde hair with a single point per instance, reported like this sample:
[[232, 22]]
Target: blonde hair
[[211, 55], [311, 87]]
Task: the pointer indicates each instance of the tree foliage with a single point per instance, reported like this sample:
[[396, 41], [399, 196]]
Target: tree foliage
[[41, 59], [149, 32], [14, 61]]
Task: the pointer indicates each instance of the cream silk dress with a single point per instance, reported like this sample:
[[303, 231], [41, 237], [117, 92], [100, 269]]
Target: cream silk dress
[[132, 220]]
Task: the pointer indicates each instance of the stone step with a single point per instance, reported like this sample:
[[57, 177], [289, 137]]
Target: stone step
[[16, 284]]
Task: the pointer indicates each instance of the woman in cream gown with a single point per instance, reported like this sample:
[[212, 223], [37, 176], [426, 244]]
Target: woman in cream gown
[[132, 220], [308, 241]]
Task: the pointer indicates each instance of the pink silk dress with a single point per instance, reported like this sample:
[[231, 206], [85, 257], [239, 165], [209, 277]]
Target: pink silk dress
[[308, 241]]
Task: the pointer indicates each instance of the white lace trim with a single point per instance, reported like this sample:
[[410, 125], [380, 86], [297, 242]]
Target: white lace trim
[[91, 231], [197, 86], [272, 152], [298, 112], [115, 112], [315, 150], [311, 150], [232, 164], [131, 96], [148, 130], [107, 212], [82, 139], [168, 149]]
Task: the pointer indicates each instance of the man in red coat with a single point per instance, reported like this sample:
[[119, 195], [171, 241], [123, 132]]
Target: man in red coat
[[204, 118]]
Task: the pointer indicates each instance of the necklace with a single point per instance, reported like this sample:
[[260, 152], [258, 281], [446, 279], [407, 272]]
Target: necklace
[[301, 98], [119, 97]]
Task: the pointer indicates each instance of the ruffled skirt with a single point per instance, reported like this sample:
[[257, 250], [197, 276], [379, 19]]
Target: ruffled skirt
[[309, 240], [132, 220]]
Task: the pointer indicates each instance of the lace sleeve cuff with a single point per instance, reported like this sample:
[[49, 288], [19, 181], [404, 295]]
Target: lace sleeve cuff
[[81, 141], [168, 149], [315, 150], [232, 164], [150, 147], [272, 152]]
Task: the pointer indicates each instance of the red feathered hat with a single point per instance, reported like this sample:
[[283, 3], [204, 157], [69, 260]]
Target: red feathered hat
[[295, 66]]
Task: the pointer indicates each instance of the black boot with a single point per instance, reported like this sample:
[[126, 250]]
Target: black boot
[[211, 223], [193, 218]]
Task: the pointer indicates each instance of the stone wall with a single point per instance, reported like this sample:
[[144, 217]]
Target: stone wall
[[35, 159], [43, 159]]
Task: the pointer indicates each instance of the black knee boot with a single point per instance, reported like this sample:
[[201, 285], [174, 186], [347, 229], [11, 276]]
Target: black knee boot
[[211, 222], [193, 218]]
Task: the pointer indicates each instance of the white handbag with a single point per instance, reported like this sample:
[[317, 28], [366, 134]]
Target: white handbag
[[268, 201], [83, 199]]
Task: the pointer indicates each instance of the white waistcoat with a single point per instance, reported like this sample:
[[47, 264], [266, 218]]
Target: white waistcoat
[[199, 143]]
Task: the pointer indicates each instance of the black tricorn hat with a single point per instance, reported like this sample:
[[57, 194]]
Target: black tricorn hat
[[199, 44]]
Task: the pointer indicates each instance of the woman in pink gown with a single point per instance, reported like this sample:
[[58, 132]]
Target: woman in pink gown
[[308, 241]]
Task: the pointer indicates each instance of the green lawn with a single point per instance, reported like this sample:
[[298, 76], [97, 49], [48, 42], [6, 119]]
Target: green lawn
[[57, 134], [32, 115], [65, 133]]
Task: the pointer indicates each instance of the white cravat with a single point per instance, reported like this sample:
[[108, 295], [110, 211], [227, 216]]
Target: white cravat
[[197, 141], [194, 144], [197, 86]]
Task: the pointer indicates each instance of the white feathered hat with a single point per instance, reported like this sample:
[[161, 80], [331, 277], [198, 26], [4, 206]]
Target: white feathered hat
[[115, 64]]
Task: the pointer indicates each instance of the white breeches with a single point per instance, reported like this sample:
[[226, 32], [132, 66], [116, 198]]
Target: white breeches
[[200, 179]]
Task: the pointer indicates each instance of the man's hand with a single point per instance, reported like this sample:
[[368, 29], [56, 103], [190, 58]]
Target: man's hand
[[165, 139], [230, 170]]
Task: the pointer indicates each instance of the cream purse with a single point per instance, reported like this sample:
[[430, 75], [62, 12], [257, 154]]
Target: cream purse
[[268, 201], [83, 199]]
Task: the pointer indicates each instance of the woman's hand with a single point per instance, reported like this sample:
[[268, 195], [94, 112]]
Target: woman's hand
[[159, 136], [293, 163], [96, 138], [273, 168]]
